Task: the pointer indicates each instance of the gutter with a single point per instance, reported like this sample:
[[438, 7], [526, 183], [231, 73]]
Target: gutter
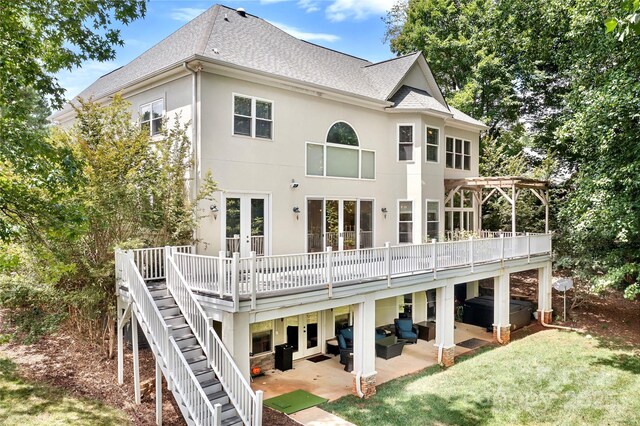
[[195, 142]]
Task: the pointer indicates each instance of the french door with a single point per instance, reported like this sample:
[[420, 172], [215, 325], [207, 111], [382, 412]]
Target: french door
[[246, 219], [303, 333], [342, 224]]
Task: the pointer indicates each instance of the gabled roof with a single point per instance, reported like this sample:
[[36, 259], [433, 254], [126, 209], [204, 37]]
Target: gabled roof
[[223, 36], [410, 98]]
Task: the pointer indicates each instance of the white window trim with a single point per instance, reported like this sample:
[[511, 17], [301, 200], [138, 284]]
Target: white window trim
[[454, 153], [398, 220], [253, 117], [426, 217], [441, 142], [413, 141], [324, 159], [150, 104]]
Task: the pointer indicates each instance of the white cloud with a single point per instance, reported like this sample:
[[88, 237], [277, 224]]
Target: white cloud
[[340, 10], [309, 6], [303, 35], [185, 14]]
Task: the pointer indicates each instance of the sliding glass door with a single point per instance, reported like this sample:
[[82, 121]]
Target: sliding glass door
[[342, 224]]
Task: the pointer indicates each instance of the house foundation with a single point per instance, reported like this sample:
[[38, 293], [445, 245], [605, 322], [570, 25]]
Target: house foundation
[[367, 385], [448, 356], [505, 334], [546, 316]]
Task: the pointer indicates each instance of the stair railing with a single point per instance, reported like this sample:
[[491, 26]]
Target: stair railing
[[247, 402], [181, 378]]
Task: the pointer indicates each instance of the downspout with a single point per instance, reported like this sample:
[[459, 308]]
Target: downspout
[[194, 134], [358, 386], [559, 327], [440, 348]]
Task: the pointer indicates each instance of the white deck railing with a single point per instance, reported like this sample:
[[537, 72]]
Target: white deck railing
[[150, 261], [254, 276], [247, 402]]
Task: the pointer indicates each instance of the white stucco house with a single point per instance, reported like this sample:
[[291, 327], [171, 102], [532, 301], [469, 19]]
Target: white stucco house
[[341, 183]]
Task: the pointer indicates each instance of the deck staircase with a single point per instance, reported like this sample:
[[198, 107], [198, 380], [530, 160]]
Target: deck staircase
[[206, 383]]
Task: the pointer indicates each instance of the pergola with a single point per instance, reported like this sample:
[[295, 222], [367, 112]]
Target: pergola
[[509, 187]]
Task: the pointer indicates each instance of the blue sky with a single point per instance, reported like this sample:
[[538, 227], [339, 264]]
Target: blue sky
[[351, 26]]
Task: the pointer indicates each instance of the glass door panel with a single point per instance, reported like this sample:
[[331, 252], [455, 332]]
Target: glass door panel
[[348, 225], [332, 224], [292, 330], [257, 226], [311, 330], [315, 218], [366, 224], [233, 226]]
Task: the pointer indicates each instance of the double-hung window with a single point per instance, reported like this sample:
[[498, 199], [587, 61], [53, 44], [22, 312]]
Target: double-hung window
[[432, 144], [252, 117], [405, 142], [405, 222], [458, 153], [433, 219], [151, 116]]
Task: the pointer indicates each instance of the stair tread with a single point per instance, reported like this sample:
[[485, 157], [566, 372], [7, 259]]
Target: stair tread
[[162, 296], [209, 382], [185, 337], [170, 317], [190, 348], [196, 359], [216, 395], [161, 308], [231, 421], [203, 371]]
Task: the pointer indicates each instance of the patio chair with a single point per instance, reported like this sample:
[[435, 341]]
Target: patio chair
[[406, 330], [345, 350]]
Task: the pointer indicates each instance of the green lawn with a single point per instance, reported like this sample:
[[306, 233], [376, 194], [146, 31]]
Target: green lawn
[[23, 403], [551, 377]]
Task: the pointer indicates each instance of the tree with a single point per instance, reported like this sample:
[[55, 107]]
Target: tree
[[37, 39]]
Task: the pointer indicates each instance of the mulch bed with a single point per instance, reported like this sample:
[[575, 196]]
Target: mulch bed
[[66, 360]]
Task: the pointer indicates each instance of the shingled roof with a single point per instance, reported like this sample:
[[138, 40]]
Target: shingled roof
[[222, 35]]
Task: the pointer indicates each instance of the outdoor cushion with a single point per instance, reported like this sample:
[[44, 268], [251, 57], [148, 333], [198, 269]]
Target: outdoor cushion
[[405, 329], [341, 342], [347, 333]]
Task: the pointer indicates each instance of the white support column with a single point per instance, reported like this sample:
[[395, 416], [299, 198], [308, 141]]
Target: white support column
[[120, 325], [513, 210], [158, 393], [501, 302], [364, 349], [419, 306], [473, 289], [136, 358], [236, 337], [545, 308], [445, 324]]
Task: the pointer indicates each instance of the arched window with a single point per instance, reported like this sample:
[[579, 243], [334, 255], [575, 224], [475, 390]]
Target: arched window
[[342, 134], [341, 155]]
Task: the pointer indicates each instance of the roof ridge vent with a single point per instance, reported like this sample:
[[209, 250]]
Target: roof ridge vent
[[240, 11]]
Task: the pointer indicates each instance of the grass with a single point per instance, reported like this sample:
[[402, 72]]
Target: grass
[[551, 377], [23, 403]]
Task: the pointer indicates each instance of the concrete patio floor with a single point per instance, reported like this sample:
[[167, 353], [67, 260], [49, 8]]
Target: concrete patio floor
[[328, 379]]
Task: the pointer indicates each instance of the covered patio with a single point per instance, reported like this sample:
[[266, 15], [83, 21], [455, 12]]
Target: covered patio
[[328, 379]]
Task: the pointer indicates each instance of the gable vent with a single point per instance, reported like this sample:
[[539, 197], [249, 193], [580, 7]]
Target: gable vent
[[240, 11]]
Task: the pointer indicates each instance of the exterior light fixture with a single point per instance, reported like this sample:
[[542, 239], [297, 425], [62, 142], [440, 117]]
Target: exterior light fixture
[[384, 212], [294, 184], [214, 210], [296, 211]]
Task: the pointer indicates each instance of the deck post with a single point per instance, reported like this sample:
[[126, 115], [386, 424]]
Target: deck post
[[501, 305], [364, 349], [217, 416], [513, 210], [528, 248], [235, 282], [158, 392], [434, 256], [445, 323], [252, 278], [502, 248], [387, 261], [136, 358], [222, 276], [329, 271], [120, 343], [545, 308], [471, 251], [257, 412]]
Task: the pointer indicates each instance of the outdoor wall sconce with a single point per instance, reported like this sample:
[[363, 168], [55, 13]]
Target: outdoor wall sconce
[[214, 210], [384, 212], [294, 184], [296, 211]]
